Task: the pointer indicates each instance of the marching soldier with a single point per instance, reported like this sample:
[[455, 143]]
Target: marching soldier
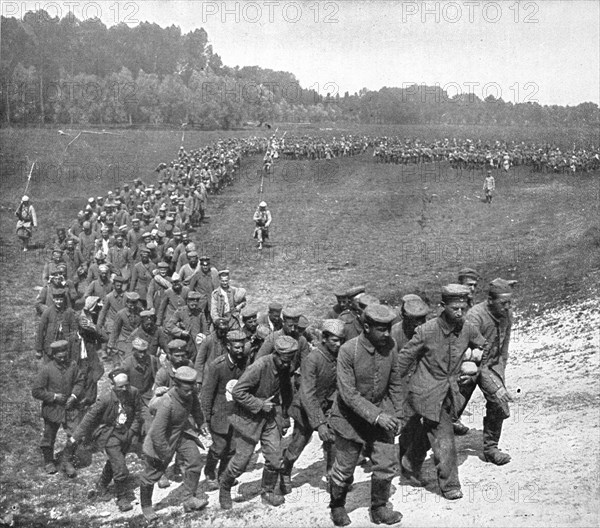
[[217, 405], [262, 219], [58, 322], [26, 221], [262, 397], [114, 422], [126, 321], [366, 414]]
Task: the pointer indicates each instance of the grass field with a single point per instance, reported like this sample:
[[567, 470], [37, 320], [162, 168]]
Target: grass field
[[344, 221]]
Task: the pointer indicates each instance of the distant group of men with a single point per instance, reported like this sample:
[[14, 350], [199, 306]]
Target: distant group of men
[[190, 356]]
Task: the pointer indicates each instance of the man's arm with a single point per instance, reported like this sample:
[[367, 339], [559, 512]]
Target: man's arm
[[200, 362], [158, 431], [104, 311], [209, 392], [411, 353], [91, 420], [308, 392], [248, 381], [266, 348]]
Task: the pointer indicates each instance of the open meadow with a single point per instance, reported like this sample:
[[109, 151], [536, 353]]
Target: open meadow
[[346, 221]]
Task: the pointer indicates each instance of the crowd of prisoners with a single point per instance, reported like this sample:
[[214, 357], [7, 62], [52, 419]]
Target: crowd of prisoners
[[188, 355]]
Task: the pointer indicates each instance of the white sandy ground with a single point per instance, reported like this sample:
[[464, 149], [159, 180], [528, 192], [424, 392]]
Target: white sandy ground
[[553, 437]]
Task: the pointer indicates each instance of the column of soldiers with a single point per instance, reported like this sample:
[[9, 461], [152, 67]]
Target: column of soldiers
[[189, 357]]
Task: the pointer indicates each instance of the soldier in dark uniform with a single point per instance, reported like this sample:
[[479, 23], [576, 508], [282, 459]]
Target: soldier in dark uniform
[[126, 321], [58, 322], [350, 316], [262, 397], [437, 350], [114, 422], [170, 433], [367, 413], [217, 404], [340, 306], [312, 403], [493, 318], [272, 318], [59, 384]]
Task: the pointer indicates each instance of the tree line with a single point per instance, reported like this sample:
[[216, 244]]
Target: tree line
[[65, 70]]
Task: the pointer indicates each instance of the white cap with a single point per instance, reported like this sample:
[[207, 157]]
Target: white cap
[[25, 198], [262, 204]]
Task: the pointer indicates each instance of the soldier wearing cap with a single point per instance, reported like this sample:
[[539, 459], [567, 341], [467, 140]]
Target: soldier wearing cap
[[291, 318], [134, 237], [126, 321], [87, 241], [171, 432], [273, 317], [249, 316], [26, 221], [101, 286], [366, 414], [174, 298], [106, 241], [58, 322], [187, 271], [341, 304], [73, 258], [189, 323], [91, 339], [206, 280], [489, 186], [114, 422], [222, 300], [112, 304], [56, 283], [437, 350], [159, 285], [141, 275], [312, 403], [217, 404], [262, 397], [493, 318], [262, 219], [141, 368], [94, 267], [351, 315], [119, 258], [211, 347], [59, 384], [469, 277], [414, 313], [56, 257], [151, 332]]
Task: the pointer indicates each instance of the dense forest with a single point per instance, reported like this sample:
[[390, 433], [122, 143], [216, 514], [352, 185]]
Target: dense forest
[[81, 72]]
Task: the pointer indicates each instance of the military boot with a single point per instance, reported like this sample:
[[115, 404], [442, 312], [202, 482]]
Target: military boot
[[492, 428], [269, 480], [123, 503], [225, 484], [285, 484], [190, 487], [146, 502], [49, 462], [337, 503], [67, 461], [211, 483], [380, 493], [101, 492], [460, 429]]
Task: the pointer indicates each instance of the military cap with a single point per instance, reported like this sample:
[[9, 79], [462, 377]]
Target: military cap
[[86, 225], [365, 299], [286, 345], [169, 252], [263, 331], [192, 254], [379, 313], [221, 321], [303, 322], [170, 218], [204, 258], [160, 234], [248, 312], [411, 297], [103, 268], [57, 250], [194, 296], [236, 335], [186, 374], [55, 346], [455, 292], [61, 267], [340, 293], [119, 234], [468, 273], [291, 313], [104, 229], [334, 327], [132, 296], [175, 277], [100, 198], [135, 219], [275, 307], [146, 234], [163, 264], [177, 344], [415, 307], [148, 313], [499, 286], [354, 291], [144, 251], [224, 272], [25, 198], [139, 344], [177, 232], [91, 200]]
